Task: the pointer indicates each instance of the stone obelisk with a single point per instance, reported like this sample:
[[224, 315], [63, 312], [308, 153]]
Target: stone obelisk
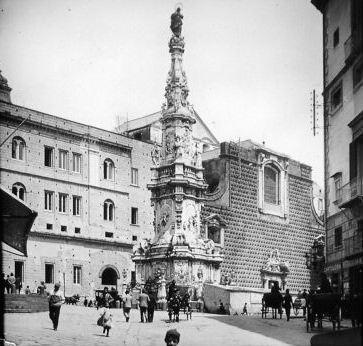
[[180, 250]]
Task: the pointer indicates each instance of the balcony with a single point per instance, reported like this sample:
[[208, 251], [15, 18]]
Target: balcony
[[353, 246], [351, 193]]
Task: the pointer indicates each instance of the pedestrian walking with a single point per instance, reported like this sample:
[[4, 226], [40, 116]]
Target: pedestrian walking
[[172, 337], [11, 281], [27, 290], [143, 302], [56, 299], [127, 303], [244, 310], [151, 307], [287, 304]]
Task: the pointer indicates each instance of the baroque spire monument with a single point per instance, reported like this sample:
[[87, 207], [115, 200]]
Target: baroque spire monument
[[180, 249]]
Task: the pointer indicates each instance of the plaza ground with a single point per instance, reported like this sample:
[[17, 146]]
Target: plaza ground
[[77, 326]]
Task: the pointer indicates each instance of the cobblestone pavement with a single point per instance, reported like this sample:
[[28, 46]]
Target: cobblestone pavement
[[77, 326]]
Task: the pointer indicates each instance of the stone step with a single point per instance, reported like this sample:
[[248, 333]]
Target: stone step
[[25, 303]]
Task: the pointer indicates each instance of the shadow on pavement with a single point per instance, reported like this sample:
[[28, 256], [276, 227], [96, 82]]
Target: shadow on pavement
[[278, 329], [349, 337]]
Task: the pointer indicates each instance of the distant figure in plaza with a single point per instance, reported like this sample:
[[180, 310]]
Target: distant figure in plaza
[[222, 309], [90, 303], [56, 299], [18, 285], [176, 22], [143, 302], [41, 288], [288, 304], [7, 284], [11, 281], [172, 337], [244, 309], [325, 284], [304, 296], [85, 302], [27, 290], [106, 298], [151, 307], [127, 303]]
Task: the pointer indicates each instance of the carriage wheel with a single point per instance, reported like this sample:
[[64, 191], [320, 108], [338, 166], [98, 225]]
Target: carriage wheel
[[296, 311]]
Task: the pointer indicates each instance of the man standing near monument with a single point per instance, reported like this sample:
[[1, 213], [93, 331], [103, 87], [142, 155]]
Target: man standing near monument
[[143, 303]]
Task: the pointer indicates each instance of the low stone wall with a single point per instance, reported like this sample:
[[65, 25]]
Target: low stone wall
[[25, 303], [233, 298]]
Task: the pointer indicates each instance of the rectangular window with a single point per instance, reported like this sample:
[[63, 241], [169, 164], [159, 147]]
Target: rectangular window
[[336, 37], [48, 200], [62, 202], [134, 216], [63, 159], [49, 226], [77, 159], [357, 73], [134, 238], [48, 156], [76, 205], [19, 270], [108, 234], [336, 97], [135, 176], [49, 273], [338, 187], [77, 230], [63, 228], [77, 275], [338, 237]]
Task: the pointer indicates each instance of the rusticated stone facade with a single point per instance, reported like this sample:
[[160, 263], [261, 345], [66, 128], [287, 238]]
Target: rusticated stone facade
[[255, 229]]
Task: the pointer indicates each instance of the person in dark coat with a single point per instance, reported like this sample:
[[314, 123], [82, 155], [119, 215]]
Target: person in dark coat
[[151, 305], [18, 285], [288, 304]]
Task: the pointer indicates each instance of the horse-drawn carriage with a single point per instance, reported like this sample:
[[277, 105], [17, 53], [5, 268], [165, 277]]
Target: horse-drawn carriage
[[272, 300], [322, 305]]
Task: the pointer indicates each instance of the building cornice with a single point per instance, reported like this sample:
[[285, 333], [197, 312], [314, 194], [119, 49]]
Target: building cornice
[[83, 240], [16, 119]]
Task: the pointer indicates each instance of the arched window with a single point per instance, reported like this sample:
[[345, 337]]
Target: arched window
[[108, 210], [271, 185], [18, 148], [108, 169], [19, 191]]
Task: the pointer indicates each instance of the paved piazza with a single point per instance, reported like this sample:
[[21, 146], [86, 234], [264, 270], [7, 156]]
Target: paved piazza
[[77, 326]]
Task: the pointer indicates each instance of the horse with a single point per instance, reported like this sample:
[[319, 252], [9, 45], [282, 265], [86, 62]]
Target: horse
[[320, 304], [272, 300]]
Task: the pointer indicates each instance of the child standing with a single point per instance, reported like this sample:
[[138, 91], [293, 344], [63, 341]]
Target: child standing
[[106, 321]]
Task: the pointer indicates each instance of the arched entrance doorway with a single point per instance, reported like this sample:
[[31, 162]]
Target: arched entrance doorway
[[109, 275]]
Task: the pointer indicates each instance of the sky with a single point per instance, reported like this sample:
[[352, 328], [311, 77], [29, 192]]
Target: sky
[[251, 65]]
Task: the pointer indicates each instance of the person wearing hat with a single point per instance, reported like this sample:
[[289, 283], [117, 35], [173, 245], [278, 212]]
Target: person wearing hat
[[172, 337], [56, 299]]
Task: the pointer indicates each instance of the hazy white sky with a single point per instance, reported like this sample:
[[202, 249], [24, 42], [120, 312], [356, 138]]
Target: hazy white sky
[[251, 65]]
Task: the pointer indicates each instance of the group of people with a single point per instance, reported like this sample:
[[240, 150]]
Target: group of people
[[11, 284]]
